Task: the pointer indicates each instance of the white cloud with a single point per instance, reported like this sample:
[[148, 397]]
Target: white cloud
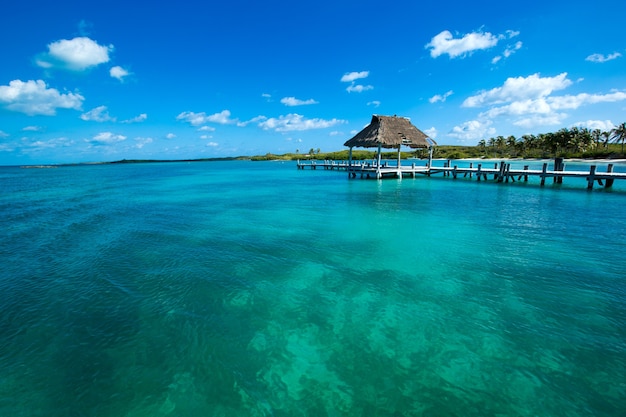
[[519, 88], [350, 77], [212, 144], [35, 98], [98, 114], [554, 119], [206, 129], [510, 50], [292, 122], [599, 58], [604, 125], [358, 88], [43, 145], [108, 138], [432, 132], [76, 54], [374, 103], [574, 102], [141, 142], [196, 119], [472, 130], [292, 101], [438, 97], [137, 119], [118, 72], [3, 134], [256, 119], [170, 136], [445, 43], [32, 129], [206, 137]]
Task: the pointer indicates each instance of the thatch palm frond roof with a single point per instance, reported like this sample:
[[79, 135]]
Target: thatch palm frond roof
[[390, 132]]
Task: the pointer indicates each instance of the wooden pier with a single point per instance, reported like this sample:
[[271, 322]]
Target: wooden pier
[[501, 172]]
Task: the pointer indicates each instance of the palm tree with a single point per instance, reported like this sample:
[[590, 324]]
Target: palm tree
[[619, 134], [482, 144]]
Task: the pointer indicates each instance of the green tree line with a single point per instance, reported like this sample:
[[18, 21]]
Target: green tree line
[[573, 142]]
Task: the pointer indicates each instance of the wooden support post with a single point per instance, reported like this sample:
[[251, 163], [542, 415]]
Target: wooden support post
[[591, 178], [454, 172], [477, 172], [543, 173], [495, 166], [350, 163], [471, 166], [558, 166], [609, 181]]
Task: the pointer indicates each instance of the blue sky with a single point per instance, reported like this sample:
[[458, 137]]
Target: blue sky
[[84, 81]]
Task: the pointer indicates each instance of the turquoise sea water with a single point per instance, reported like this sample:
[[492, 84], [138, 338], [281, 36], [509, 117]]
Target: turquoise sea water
[[255, 289]]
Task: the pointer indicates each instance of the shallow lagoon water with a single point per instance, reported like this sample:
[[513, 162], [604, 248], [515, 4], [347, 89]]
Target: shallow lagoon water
[[255, 289]]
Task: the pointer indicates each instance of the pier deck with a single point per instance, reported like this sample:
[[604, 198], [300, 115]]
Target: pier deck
[[501, 172]]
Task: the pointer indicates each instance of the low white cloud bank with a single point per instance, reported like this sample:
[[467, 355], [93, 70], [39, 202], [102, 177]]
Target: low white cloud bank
[[76, 54], [530, 101], [36, 98], [296, 122]]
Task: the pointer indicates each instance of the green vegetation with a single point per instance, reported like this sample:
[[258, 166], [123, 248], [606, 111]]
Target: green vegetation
[[566, 143]]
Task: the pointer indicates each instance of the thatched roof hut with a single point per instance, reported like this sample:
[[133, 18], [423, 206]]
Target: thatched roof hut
[[390, 132]]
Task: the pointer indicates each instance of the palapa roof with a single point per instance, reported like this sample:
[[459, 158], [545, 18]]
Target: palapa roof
[[390, 132]]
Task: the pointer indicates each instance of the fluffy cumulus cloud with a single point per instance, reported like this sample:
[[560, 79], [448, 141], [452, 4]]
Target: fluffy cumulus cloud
[[519, 88], [599, 58], [140, 142], [137, 119], [118, 72], [292, 101], [472, 130], [76, 54], [98, 114], [351, 77], [197, 119], [296, 122], [530, 101], [432, 132], [107, 138], [36, 98], [46, 145], [440, 97], [603, 125], [510, 50], [446, 43]]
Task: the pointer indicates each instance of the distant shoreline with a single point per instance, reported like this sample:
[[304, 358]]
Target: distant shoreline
[[257, 158]]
